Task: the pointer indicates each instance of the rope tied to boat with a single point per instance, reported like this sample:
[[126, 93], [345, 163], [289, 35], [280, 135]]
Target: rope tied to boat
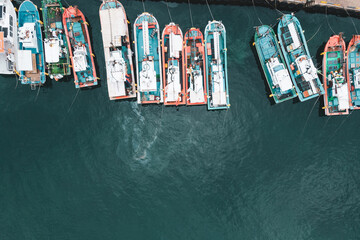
[[328, 20], [167, 6], [351, 20], [192, 23], [257, 13], [212, 16], [143, 5]]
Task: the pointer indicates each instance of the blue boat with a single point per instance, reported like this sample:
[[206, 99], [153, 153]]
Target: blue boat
[[216, 66], [298, 59], [273, 64], [30, 66], [148, 62]]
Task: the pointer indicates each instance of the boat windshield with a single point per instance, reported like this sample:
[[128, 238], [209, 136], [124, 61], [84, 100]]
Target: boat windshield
[[278, 68], [1, 11]]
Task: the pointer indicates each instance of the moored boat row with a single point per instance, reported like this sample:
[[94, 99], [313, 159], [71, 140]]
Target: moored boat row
[[171, 68], [290, 72]]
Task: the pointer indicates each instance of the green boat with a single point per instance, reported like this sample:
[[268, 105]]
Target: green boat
[[273, 64], [55, 42]]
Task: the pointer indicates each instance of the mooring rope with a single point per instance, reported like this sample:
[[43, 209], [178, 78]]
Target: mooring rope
[[274, 8], [212, 16], [192, 23], [257, 15], [67, 3], [314, 34], [143, 5], [328, 20], [73, 100], [308, 117], [167, 5], [351, 21], [37, 94]]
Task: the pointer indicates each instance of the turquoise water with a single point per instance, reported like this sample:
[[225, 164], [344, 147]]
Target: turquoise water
[[99, 169]]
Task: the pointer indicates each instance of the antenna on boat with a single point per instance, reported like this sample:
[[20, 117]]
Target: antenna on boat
[[212, 16], [192, 23]]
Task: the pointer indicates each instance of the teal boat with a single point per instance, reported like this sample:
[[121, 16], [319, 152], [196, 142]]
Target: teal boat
[[55, 42], [148, 62], [353, 71], [216, 66], [298, 59], [273, 64], [30, 66]]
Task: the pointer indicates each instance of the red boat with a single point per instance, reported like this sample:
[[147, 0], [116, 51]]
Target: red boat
[[194, 67], [336, 84], [82, 58], [173, 75]]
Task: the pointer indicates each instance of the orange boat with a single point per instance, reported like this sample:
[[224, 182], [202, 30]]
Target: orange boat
[[194, 67], [81, 55], [336, 84], [173, 75], [353, 71]]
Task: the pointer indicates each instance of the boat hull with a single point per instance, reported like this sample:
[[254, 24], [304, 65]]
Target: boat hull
[[31, 64], [148, 62], [216, 66], [77, 34], [117, 51], [194, 67], [267, 47], [55, 42], [296, 54], [336, 84], [353, 71], [8, 38], [172, 70]]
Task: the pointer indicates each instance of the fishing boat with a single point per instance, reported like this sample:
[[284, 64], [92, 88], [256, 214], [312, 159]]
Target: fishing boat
[[8, 37], [216, 66], [353, 71], [148, 63], [55, 42], [117, 50], [30, 61], [298, 59], [173, 77], [336, 84], [273, 64], [194, 67], [82, 58]]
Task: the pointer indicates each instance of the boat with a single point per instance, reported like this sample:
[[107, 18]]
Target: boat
[[55, 43], [216, 66], [194, 67], [336, 84], [273, 64], [148, 62], [298, 59], [30, 61], [8, 37], [117, 50], [82, 58], [173, 77], [353, 71]]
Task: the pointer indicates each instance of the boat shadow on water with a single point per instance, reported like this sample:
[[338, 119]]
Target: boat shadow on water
[[258, 64], [318, 59]]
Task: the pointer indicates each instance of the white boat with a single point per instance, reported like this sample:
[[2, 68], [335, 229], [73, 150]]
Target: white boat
[[8, 37], [118, 54]]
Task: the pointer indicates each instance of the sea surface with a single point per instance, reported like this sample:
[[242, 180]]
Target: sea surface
[[75, 165]]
